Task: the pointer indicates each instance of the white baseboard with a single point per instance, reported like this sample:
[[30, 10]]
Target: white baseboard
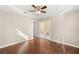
[[65, 43], [30, 38], [10, 44]]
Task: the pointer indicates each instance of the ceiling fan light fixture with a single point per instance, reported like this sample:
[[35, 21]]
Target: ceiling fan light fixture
[[38, 12], [38, 9]]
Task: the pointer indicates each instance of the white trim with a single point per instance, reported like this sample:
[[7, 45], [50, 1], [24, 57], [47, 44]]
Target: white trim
[[65, 10], [17, 10], [14, 43], [61, 42], [10, 44], [30, 38], [65, 43]]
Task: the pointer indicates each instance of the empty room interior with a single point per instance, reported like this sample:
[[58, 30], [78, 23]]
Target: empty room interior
[[39, 29]]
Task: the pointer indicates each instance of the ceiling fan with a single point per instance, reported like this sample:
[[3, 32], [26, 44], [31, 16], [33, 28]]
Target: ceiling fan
[[38, 9]]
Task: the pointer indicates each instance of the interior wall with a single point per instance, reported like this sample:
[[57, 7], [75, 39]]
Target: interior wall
[[36, 29], [65, 28], [8, 24]]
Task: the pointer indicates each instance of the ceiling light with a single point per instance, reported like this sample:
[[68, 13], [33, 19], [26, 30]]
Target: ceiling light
[[38, 9], [38, 12]]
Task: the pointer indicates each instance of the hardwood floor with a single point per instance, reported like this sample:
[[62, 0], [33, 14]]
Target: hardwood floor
[[40, 46]]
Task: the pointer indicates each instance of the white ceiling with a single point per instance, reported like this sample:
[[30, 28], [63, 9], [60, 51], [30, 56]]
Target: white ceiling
[[52, 10]]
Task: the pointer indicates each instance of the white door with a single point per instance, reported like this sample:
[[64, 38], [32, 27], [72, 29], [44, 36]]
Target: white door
[[45, 29]]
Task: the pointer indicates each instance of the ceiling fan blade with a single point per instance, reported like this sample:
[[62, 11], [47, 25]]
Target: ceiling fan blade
[[43, 11], [31, 10], [34, 6], [44, 7]]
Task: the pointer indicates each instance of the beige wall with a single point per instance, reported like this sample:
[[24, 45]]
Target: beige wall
[[65, 28], [36, 29], [8, 24]]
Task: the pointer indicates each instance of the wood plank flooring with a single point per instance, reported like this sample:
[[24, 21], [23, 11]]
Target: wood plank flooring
[[40, 46]]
